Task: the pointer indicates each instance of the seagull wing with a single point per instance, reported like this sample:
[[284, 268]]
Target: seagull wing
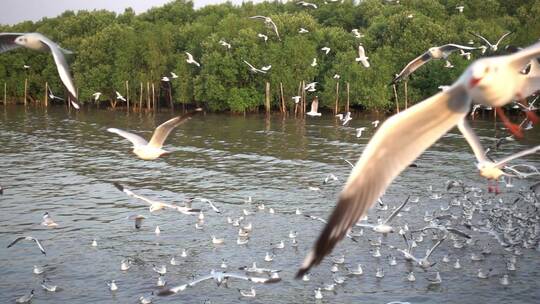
[[249, 64], [502, 37], [433, 248], [361, 51], [16, 241], [451, 47], [7, 41], [481, 37], [63, 68], [135, 139], [396, 144], [412, 66], [190, 57], [130, 193], [520, 59], [275, 29], [458, 232], [171, 291], [397, 210], [39, 245], [161, 132], [200, 279], [258, 17], [473, 141], [503, 161]]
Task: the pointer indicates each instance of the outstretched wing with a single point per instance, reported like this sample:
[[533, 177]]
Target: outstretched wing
[[136, 140], [161, 132], [7, 41], [396, 144], [412, 66]]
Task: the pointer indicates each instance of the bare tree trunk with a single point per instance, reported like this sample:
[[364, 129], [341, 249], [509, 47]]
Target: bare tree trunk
[[406, 97], [170, 96], [267, 98], [141, 97], [5, 94], [147, 95], [336, 108], [127, 94], [303, 107], [283, 106], [25, 89], [396, 98], [348, 96], [153, 96], [46, 100]]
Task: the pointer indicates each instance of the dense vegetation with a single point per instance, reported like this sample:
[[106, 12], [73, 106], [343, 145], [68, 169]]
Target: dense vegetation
[[110, 49]]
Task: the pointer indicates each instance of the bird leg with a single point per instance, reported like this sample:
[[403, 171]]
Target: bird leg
[[530, 114], [512, 127]]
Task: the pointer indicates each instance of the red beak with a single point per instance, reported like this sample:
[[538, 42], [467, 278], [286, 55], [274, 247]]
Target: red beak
[[474, 82]]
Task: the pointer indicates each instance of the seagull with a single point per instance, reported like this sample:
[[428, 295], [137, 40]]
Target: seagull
[[314, 108], [359, 131], [375, 123], [357, 34], [266, 68], [337, 76], [492, 81], [248, 293], [38, 42], [28, 297], [326, 180], [96, 95], [326, 50], [1, 190], [303, 31], [314, 62], [165, 79], [362, 56], [190, 59], [153, 149], [225, 44], [467, 55], [254, 69], [155, 205], [384, 226], [38, 269], [268, 21], [220, 278], [448, 65], [125, 264], [436, 52], [173, 75], [112, 285], [52, 96], [460, 8], [48, 221], [119, 96], [492, 47], [217, 241], [204, 200], [159, 269], [28, 238], [306, 4], [310, 87], [423, 262], [296, 99], [263, 36], [138, 220], [48, 287]]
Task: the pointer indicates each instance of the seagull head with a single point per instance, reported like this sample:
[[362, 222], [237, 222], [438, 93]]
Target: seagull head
[[479, 71], [21, 40]]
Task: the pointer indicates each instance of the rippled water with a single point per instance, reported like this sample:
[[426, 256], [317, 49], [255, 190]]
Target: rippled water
[[65, 164]]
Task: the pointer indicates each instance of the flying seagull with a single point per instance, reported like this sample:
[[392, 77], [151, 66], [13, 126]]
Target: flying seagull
[[384, 227], [225, 44], [268, 21], [306, 4], [362, 56], [326, 50], [119, 96], [28, 238], [153, 149], [155, 205], [492, 81], [436, 52], [314, 108], [96, 95], [220, 278], [38, 42], [263, 36], [190, 60], [254, 69], [492, 47]]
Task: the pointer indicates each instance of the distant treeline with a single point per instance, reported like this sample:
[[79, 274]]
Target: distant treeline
[[111, 49]]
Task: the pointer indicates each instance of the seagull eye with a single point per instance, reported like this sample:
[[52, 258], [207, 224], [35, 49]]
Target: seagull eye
[[486, 70]]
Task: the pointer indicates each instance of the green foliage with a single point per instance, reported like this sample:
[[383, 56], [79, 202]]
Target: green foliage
[[111, 49]]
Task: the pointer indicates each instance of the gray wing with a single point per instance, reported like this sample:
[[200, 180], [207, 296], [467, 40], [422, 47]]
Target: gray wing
[[434, 247], [473, 141], [62, 67], [39, 245], [16, 241], [503, 161], [481, 37], [203, 278], [130, 193], [502, 37], [448, 48], [161, 132], [7, 41], [397, 210], [136, 140], [275, 29], [396, 144], [412, 66]]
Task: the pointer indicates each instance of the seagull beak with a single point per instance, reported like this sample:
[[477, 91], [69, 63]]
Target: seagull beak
[[474, 82]]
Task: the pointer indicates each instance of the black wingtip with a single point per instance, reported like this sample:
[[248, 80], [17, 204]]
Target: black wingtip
[[118, 186], [273, 280], [165, 292], [300, 274]]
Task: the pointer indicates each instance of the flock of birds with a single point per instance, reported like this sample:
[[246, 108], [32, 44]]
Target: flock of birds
[[490, 81]]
